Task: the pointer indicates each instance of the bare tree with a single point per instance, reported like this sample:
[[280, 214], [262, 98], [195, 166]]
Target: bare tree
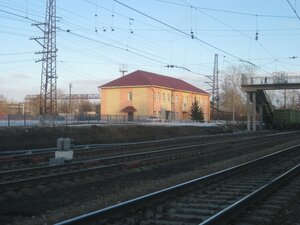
[[232, 97], [62, 103], [285, 99], [292, 98], [32, 105], [85, 106], [3, 104]]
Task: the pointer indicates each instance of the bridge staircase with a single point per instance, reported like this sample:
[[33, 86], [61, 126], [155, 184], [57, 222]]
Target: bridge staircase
[[258, 100]]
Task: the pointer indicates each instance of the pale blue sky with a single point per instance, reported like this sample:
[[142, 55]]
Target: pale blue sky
[[88, 58]]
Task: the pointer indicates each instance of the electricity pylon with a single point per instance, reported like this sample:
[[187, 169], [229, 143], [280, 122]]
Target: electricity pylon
[[48, 91], [214, 84]]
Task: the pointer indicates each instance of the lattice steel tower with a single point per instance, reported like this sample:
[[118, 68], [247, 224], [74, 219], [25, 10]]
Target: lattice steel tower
[[48, 91], [214, 84]]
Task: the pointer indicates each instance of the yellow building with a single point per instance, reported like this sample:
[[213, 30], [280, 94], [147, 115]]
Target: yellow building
[[147, 94]]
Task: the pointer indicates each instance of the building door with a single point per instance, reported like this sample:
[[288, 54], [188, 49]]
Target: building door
[[167, 115], [130, 116]]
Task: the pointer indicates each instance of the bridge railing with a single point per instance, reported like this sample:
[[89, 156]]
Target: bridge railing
[[270, 80]]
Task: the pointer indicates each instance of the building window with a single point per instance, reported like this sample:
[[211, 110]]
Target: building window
[[164, 97], [176, 99], [186, 102], [129, 96], [158, 96], [169, 98]]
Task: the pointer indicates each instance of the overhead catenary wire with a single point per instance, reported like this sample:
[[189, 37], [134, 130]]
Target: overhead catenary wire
[[136, 21], [227, 11], [112, 12], [294, 10], [185, 33], [153, 46], [174, 28], [98, 41], [239, 31], [15, 53]]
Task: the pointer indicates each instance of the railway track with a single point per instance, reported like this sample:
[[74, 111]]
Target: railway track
[[212, 199], [281, 207], [38, 157], [17, 180]]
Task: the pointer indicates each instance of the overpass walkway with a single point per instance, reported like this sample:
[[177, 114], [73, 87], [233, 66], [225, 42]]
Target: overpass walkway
[[259, 101]]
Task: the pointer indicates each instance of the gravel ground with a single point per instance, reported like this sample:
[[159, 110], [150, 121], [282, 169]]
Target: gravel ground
[[43, 137], [77, 200], [291, 214]]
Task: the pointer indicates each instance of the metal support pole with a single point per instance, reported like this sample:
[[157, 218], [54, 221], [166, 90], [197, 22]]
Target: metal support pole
[[248, 112], [260, 110], [70, 94], [254, 111], [24, 116]]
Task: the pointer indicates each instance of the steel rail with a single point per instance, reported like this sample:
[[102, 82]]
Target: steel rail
[[47, 178], [92, 146], [28, 156], [235, 209], [121, 158], [26, 152], [91, 151], [171, 192]]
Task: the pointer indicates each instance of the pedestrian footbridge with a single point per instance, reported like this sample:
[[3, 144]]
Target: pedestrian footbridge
[[258, 100]]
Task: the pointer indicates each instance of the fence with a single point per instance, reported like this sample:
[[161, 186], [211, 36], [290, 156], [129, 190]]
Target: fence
[[8, 120], [227, 116]]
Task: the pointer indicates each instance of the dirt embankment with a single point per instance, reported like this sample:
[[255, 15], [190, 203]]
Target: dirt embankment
[[38, 137]]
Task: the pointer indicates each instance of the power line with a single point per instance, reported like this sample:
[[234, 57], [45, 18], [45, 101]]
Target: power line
[[119, 14], [148, 54], [120, 48], [15, 9], [133, 52], [113, 46], [15, 53], [16, 61], [226, 11], [294, 10], [115, 13], [242, 33], [101, 42], [187, 34], [17, 15], [24, 17]]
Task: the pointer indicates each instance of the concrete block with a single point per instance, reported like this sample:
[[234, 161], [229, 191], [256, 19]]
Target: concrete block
[[67, 155]]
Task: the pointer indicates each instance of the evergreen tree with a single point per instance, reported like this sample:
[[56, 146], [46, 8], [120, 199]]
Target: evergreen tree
[[196, 112]]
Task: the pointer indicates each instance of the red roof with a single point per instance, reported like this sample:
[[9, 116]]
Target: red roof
[[142, 78]]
